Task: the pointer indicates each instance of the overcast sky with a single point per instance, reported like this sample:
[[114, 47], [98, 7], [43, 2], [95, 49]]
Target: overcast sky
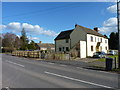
[[43, 21]]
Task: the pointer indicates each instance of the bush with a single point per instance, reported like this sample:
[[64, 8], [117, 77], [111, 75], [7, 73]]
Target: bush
[[74, 53], [8, 49]]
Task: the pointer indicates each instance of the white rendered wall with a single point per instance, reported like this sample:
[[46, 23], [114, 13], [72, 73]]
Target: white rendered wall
[[94, 44], [82, 49]]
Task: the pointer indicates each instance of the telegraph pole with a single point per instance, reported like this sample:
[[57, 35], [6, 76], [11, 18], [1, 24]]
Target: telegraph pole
[[118, 27]]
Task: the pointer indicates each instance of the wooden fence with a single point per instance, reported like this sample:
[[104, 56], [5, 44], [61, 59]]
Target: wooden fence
[[38, 54], [31, 54], [57, 56]]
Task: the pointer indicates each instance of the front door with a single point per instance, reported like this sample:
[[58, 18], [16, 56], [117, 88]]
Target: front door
[[97, 49]]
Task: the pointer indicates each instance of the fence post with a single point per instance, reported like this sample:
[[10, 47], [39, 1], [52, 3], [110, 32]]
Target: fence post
[[115, 62], [38, 54], [69, 56]]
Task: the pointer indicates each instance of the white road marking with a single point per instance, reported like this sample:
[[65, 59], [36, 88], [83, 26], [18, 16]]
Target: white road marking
[[77, 80], [50, 63], [15, 63], [63, 65]]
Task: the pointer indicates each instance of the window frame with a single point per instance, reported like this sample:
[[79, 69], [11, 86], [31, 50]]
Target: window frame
[[105, 41], [91, 38], [92, 48], [60, 49], [67, 40], [106, 48], [67, 48], [101, 40], [95, 39], [63, 48]]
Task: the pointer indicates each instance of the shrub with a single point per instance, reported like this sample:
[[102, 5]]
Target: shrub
[[8, 49], [74, 53]]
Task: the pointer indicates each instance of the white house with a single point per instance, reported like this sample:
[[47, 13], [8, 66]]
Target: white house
[[45, 46], [85, 40]]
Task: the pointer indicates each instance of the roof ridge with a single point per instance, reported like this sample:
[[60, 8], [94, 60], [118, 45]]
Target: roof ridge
[[64, 34], [91, 30], [86, 28], [67, 30]]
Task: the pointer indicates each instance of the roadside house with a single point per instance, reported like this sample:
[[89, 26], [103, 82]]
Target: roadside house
[[86, 41], [46, 46]]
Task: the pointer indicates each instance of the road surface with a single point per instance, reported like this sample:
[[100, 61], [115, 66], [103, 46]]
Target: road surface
[[24, 73]]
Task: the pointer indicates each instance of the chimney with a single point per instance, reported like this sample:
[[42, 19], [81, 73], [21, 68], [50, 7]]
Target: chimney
[[96, 29], [75, 25], [40, 42]]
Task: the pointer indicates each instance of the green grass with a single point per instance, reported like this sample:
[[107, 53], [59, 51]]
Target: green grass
[[111, 56], [101, 59], [116, 70]]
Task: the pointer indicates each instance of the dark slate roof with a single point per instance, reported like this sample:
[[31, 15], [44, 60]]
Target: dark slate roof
[[64, 35]]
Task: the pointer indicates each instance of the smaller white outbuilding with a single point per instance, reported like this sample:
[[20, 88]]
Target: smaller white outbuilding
[[85, 40]]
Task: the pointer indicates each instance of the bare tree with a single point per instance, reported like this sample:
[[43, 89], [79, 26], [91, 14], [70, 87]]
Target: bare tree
[[8, 40]]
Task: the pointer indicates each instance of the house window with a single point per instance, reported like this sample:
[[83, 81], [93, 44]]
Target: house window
[[63, 48], [59, 49], [95, 39], [106, 48], [91, 38], [98, 39], [101, 39], [91, 48], [67, 49], [105, 41], [67, 40]]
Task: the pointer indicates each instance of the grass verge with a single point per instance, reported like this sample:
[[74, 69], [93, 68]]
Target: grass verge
[[110, 56]]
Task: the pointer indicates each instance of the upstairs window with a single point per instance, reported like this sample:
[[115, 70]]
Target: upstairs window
[[95, 39], [91, 38], [105, 41], [101, 39], [98, 39], [67, 40]]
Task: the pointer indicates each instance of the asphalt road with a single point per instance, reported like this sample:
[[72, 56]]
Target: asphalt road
[[24, 73]]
